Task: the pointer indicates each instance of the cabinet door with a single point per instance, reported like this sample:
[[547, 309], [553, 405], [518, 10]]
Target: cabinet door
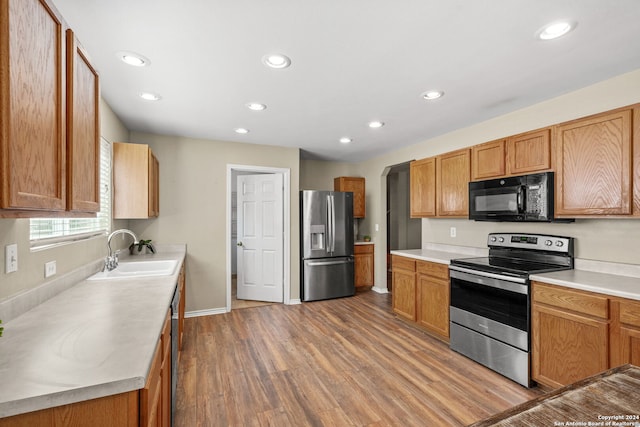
[[83, 130], [567, 347], [529, 152], [135, 181], [422, 178], [453, 173], [404, 294], [629, 332], [363, 265], [357, 186], [593, 165], [433, 305], [488, 160], [32, 135]]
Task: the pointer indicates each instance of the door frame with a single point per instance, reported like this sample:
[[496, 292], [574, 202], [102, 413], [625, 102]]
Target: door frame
[[286, 238]]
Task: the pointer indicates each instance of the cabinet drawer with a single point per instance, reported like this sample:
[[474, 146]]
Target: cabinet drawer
[[577, 301], [402, 263], [630, 313], [434, 269], [363, 249]]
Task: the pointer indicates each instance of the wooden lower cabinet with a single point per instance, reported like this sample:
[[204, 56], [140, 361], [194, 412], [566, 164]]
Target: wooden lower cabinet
[[576, 334], [363, 265], [433, 297], [421, 294], [404, 287]]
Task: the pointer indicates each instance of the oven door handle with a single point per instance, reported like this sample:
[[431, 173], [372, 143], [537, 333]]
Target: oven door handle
[[513, 284]]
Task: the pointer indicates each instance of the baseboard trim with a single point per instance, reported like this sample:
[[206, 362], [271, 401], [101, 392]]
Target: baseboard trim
[[380, 290], [210, 312], [294, 301]]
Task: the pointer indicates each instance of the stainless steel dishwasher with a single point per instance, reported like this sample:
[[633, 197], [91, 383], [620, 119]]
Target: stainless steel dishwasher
[[175, 339]]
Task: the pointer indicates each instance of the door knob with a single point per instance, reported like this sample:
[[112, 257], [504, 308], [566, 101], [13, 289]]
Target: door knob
[[239, 244]]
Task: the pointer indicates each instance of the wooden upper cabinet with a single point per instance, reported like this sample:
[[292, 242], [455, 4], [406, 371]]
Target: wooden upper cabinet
[[357, 186], [422, 178], [83, 130], [594, 164], [135, 181], [49, 116], [529, 152], [488, 160], [453, 172], [32, 113]]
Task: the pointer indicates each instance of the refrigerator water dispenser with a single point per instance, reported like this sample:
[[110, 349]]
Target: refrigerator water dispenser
[[317, 237]]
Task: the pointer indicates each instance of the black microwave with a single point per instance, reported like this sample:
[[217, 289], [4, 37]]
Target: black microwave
[[526, 198]]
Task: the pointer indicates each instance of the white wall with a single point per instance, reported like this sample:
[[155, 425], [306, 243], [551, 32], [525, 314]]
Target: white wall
[[69, 256], [193, 210]]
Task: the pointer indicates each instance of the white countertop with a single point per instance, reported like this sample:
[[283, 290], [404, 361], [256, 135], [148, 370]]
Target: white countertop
[[603, 283], [441, 257], [92, 340], [362, 242]]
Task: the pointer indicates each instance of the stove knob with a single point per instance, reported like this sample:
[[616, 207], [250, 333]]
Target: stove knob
[[559, 243], [548, 242], [501, 239], [493, 238]]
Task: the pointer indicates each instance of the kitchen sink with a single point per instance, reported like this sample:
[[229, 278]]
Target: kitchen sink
[[132, 269]]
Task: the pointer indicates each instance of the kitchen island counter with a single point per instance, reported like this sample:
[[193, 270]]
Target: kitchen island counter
[[606, 399], [93, 340]]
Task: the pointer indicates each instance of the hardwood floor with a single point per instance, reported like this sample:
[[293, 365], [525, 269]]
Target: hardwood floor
[[342, 362]]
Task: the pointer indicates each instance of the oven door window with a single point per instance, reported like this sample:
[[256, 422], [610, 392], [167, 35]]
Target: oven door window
[[507, 307]]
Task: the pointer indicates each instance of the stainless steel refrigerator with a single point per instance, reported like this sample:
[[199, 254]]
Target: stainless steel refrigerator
[[326, 245]]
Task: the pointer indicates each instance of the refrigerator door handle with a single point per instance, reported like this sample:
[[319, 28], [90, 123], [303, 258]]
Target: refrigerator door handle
[[328, 233], [317, 263], [333, 225]]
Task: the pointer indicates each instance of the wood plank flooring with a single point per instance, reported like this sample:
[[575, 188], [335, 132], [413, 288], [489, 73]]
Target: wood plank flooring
[[342, 362]]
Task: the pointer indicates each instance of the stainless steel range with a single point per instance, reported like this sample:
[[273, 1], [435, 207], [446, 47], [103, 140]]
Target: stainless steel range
[[490, 313]]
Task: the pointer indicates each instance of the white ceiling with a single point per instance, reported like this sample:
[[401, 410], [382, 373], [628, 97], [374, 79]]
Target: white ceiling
[[353, 61]]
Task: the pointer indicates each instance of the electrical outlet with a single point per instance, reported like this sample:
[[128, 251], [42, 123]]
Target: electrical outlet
[[11, 258], [452, 232], [50, 269]]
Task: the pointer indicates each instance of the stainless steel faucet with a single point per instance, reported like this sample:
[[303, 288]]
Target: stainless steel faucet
[[111, 262]]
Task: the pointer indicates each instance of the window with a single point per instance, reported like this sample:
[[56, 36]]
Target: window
[[48, 231]]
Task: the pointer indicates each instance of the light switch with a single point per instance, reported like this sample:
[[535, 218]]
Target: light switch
[[11, 258]]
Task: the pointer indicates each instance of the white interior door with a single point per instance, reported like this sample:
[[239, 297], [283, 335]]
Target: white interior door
[[260, 237]]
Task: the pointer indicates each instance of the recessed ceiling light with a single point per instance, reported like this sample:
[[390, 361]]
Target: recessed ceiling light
[[555, 29], [134, 59], [242, 130], [376, 124], [345, 140], [148, 96], [276, 60], [432, 94], [255, 106]]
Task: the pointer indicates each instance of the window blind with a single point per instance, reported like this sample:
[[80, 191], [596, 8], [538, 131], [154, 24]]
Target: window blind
[[48, 231]]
